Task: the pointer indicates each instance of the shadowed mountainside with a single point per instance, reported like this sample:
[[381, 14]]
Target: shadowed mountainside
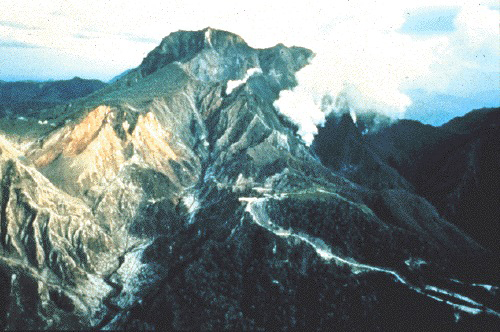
[[454, 166]]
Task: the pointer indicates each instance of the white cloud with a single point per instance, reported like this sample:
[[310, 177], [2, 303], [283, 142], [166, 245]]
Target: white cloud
[[465, 60]]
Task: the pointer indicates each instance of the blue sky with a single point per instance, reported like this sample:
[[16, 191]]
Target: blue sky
[[372, 51], [430, 21]]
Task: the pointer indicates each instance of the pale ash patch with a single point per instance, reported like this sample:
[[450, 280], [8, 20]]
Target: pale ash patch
[[415, 263], [489, 288], [282, 141], [242, 183], [93, 291], [231, 85], [353, 116], [208, 37], [192, 204], [134, 276]]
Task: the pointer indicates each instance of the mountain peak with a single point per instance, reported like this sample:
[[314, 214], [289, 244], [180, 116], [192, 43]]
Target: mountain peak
[[216, 57], [182, 46]]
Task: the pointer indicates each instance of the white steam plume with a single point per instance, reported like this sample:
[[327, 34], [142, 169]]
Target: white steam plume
[[328, 85]]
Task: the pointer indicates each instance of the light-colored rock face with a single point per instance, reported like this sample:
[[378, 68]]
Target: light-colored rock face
[[52, 239], [88, 155], [7, 150], [151, 142], [70, 141], [84, 133]]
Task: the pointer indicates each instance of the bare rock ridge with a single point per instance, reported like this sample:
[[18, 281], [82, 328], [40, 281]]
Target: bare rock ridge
[[179, 198]]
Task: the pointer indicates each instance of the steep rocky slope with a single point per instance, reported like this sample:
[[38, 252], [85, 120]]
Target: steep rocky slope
[[178, 197]]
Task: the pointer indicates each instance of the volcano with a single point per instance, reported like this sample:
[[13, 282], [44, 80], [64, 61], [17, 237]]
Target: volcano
[[178, 197]]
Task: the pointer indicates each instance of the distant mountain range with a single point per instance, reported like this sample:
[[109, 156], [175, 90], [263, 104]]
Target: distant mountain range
[[20, 96], [24, 103], [50, 91]]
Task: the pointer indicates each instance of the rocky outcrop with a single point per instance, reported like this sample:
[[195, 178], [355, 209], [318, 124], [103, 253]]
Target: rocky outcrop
[[51, 249], [88, 155]]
